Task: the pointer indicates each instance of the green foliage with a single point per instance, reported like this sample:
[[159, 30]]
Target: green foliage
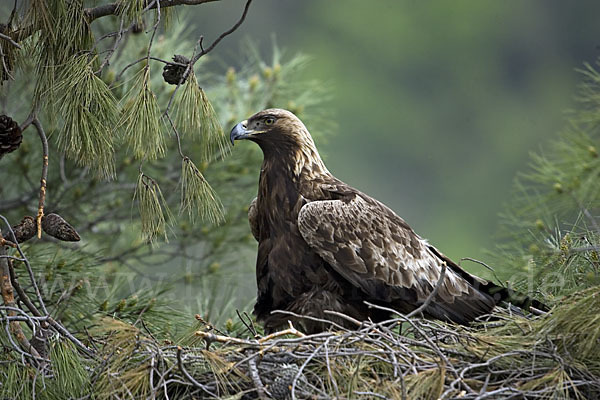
[[188, 106], [197, 197], [211, 130], [15, 380], [126, 373], [141, 121], [153, 209], [277, 82], [197, 119], [577, 323], [64, 33], [551, 229], [90, 114], [132, 9], [71, 379]]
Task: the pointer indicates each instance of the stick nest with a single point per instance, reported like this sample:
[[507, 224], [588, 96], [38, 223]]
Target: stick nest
[[556, 355]]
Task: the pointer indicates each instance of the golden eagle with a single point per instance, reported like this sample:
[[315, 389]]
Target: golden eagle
[[324, 245]]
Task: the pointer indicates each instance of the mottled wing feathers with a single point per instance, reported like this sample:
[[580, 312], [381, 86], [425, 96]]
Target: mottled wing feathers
[[374, 249]]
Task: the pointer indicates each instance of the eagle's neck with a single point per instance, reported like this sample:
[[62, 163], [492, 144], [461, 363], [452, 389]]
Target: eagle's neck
[[296, 164], [286, 180]]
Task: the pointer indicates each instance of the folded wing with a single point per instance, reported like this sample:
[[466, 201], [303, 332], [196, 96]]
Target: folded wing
[[375, 250]]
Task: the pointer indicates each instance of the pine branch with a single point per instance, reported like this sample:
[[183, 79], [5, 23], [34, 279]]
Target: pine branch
[[113, 8], [141, 120]]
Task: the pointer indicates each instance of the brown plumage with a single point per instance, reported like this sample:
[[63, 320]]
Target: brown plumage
[[324, 245]]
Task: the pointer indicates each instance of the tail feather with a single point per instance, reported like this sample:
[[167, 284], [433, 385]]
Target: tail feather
[[482, 301]]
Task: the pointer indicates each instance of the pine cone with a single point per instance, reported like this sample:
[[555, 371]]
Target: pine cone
[[172, 73], [281, 388], [25, 230], [39, 341], [10, 135], [138, 27], [55, 226]]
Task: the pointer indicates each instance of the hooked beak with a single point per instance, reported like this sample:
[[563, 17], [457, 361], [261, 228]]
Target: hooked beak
[[240, 132]]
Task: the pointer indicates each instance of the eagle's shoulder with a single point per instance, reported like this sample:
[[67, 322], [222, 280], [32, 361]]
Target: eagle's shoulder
[[253, 218]]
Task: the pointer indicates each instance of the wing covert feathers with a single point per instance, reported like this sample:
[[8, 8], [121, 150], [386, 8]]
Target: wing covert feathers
[[374, 249]]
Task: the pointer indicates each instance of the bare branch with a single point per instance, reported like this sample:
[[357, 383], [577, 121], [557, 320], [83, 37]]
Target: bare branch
[[433, 293], [224, 34], [10, 40], [188, 376], [204, 51], [113, 8]]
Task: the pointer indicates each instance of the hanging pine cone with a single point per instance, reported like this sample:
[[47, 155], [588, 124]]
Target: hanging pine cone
[[172, 73], [55, 226], [10, 135], [138, 27]]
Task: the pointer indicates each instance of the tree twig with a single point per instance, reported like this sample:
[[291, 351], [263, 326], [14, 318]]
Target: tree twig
[[189, 377], [10, 40], [21, 293], [433, 293], [204, 51], [224, 34], [260, 388], [289, 331], [43, 179], [112, 8]]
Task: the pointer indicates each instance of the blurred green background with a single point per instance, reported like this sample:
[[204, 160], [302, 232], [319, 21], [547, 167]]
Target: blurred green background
[[437, 103]]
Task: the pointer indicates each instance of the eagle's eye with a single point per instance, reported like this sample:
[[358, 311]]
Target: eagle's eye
[[269, 121]]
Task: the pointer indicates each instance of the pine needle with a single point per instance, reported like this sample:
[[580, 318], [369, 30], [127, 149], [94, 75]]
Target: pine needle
[[213, 140], [126, 375], [90, 115], [197, 118], [197, 197], [141, 120], [71, 377], [154, 211], [577, 323], [16, 383], [189, 109], [42, 18], [427, 384], [132, 9], [63, 33]]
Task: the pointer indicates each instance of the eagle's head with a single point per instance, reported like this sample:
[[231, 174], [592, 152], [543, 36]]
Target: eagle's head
[[274, 130], [283, 138]]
